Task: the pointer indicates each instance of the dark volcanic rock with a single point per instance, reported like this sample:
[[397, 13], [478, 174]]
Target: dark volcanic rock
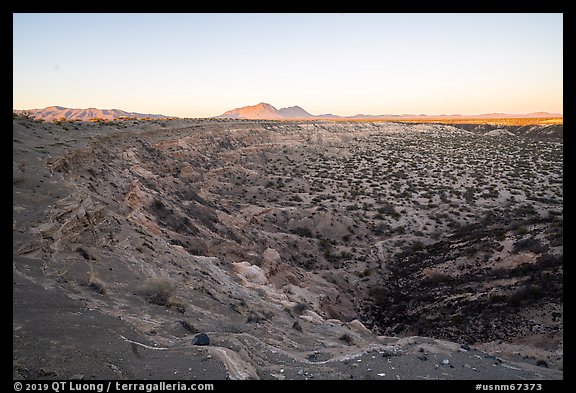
[[201, 339]]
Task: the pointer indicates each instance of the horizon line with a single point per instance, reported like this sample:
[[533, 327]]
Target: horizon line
[[561, 114]]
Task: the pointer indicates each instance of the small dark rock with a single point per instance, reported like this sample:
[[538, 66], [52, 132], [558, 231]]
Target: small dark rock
[[46, 373], [542, 363], [465, 346], [201, 339], [423, 357], [296, 326]]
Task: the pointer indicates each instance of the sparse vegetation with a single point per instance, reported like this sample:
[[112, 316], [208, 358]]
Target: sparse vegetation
[[529, 244], [187, 326], [347, 339], [254, 317], [299, 308], [409, 232], [542, 363], [526, 293], [439, 277], [303, 232], [95, 283], [159, 291]]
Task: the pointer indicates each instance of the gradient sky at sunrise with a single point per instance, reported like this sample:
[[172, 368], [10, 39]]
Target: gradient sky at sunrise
[[200, 65]]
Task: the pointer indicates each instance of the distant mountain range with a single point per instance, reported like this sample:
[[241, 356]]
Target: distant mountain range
[[263, 111], [52, 113]]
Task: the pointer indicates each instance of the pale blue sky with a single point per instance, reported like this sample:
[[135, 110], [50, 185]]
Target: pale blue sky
[[198, 65]]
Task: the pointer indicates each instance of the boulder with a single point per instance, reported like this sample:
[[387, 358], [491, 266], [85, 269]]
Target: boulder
[[201, 339]]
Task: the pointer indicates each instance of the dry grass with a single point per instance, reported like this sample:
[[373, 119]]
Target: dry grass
[[95, 283], [159, 291]]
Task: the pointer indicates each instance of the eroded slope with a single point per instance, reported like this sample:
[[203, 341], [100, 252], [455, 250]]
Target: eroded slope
[[277, 239]]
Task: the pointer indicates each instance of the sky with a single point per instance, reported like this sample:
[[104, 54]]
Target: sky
[[201, 65]]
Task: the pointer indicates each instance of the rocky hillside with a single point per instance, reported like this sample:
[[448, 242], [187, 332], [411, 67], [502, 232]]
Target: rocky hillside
[[541, 131], [59, 113], [285, 250]]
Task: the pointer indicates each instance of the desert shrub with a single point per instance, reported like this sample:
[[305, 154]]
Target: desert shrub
[[542, 363], [524, 210], [500, 234], [473, 250], [254, 317], [86, 254], [548, 260], [438, 277], [325, 244], [379, 295], [527, 293], [187, 326], [95, 283], [158, 204], [496, 298], [159, 291], [347, 339], [299, 308], [399, 230], [500, 272], [389, 210], [530, 244], [416, 246], [302, 232], [555, 234]]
